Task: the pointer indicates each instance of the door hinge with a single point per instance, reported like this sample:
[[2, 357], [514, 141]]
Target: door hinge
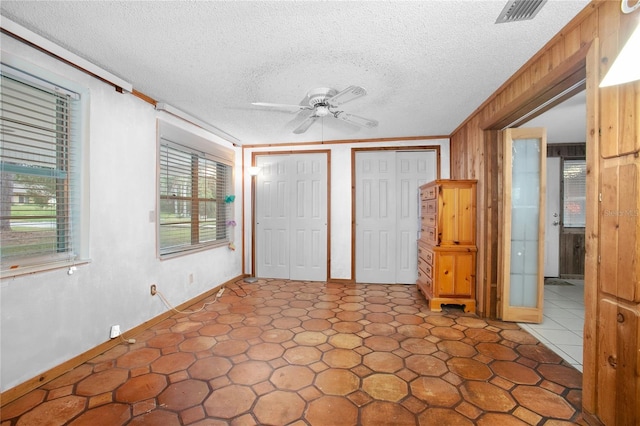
[[600, 197], [599, 258]]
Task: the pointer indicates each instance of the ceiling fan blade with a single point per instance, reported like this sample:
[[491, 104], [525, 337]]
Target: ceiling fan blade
[[280, 106], [347, 95], [305, 124], [356, 119]]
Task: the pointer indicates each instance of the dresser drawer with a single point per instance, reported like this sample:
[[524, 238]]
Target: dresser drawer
[[425, 269], [429, 219], [425, 253], [429, 207], [430, 235], [429, 193]]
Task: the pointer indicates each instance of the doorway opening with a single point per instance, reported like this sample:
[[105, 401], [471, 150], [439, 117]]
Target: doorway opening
[[564, 312]]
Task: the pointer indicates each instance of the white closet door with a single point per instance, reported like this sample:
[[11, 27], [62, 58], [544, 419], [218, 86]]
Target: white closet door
[[308, 221], [387, 213], [291, 217], [412, 170], [272, 217], [375, 217]]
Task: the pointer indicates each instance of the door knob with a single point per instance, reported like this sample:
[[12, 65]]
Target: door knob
[[556, 222]]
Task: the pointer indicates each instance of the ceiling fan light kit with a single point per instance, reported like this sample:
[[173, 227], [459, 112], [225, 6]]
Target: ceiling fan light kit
[[322, 102]]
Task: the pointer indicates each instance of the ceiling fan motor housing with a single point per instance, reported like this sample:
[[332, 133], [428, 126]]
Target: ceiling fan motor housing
[[320, 96]]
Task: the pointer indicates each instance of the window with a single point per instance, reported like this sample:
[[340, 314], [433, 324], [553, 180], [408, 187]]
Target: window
[[574, 176], [195, 207], [39, 166]]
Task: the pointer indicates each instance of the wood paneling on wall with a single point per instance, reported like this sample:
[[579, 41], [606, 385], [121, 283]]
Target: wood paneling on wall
[[585, 47]]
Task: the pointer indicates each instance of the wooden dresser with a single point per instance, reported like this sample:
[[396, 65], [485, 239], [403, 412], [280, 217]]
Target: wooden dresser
[[447, 244]]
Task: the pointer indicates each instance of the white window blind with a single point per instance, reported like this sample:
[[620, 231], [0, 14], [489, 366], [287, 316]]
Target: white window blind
[[193, 190], [39, 184], [574, 177]]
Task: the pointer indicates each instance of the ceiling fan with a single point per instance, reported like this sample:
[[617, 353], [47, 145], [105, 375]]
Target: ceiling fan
[[323, 102]]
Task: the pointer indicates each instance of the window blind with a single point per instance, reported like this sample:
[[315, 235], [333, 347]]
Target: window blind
[[574, 177], [38, 189], [193, 189]]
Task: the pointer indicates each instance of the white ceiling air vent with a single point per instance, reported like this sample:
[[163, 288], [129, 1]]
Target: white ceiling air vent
[[520, 10]]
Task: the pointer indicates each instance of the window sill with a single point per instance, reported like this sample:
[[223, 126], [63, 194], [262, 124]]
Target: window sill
[[193, 250], [34, 269]]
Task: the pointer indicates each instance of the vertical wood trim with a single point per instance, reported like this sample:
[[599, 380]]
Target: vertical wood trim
[[504, 259], [591, 267]]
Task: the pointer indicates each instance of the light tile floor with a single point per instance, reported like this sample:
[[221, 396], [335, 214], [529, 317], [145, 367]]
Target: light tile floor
[[563, 325]]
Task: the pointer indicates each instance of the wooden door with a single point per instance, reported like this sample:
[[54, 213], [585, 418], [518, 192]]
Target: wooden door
[[522, 245]]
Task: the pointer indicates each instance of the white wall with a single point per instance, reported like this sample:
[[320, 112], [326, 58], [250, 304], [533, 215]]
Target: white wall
[[50, 317], [340, 186]]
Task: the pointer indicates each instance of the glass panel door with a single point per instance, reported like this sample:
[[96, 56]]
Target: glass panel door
[[522, 244]]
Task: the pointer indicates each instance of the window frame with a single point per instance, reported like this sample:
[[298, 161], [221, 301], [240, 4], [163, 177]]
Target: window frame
[[565, 223], [197, 148], [77, 214]]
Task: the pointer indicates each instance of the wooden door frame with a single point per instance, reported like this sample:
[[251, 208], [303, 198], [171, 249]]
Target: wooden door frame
[[564, 81], [354, 151]]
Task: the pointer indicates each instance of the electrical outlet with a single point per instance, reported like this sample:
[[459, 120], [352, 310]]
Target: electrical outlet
[[115, 331], [153, 290]]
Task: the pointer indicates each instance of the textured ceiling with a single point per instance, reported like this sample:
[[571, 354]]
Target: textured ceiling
[[426, 65]]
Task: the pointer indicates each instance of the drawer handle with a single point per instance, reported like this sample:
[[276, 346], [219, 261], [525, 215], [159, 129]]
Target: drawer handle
[[620, 318], [613, 361]]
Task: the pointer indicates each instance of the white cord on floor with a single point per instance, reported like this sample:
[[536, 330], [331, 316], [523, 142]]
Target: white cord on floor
[[170, 306]]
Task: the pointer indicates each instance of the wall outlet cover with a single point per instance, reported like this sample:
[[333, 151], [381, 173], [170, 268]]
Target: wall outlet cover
[[115, 331]]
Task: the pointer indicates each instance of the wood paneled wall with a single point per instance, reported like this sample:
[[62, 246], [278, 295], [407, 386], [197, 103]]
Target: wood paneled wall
[[585, 48]]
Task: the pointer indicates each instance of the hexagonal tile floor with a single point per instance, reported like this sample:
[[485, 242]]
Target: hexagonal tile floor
[[281, 352]]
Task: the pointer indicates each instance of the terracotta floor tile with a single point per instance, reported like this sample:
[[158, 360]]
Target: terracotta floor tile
[[337, 382], [381, 343], [173, 362], [383, 362], [493, 419], [565, 376], [470, 369], [377, 412], [58, 411], [279, 408], [435, 392], [515, 372], [103, 381], [487, 397], [182, 395], [308, 353], [341, 358], [497, 351], [197, 344], [443, 416], [543, 402], [265, 351], [230, 401], [164, 418], [141, 388], [250, 372], [292, 377], [386, 387], [325, 411], [345, 341], [106, 415]]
